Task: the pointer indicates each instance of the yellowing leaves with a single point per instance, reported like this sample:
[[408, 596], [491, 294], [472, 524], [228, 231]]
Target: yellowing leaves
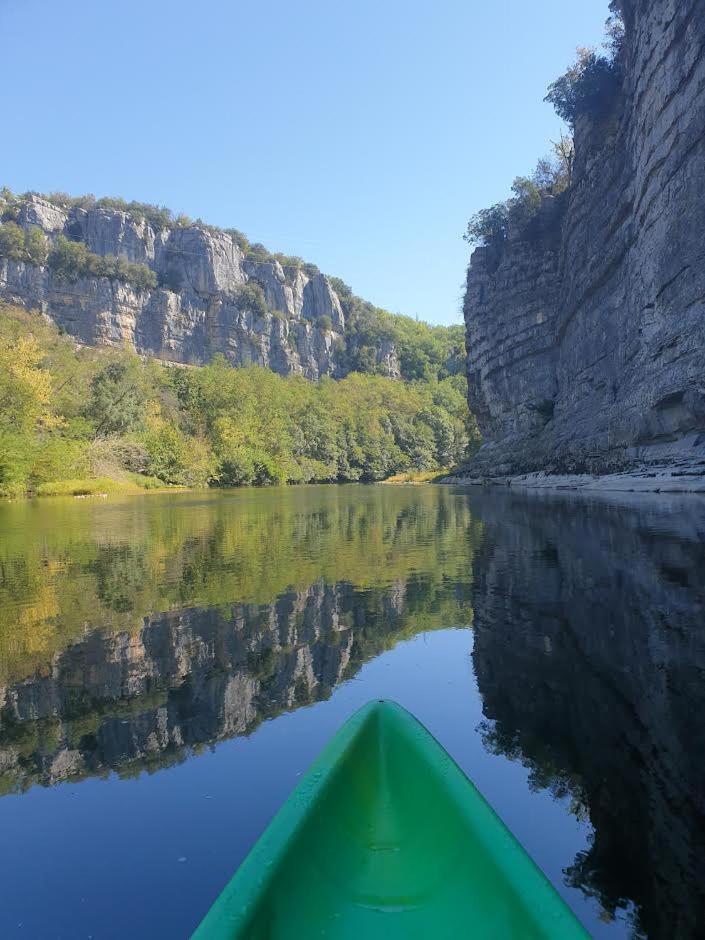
[[25, 387]]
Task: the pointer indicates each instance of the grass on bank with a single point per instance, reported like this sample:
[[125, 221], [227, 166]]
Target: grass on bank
[[419, 476], [102, 486]]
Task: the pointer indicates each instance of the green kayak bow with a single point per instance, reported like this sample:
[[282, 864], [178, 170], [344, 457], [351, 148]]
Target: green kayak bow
[[385, 837]]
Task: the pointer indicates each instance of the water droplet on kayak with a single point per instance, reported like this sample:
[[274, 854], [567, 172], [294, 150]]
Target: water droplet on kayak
[[182, 859]]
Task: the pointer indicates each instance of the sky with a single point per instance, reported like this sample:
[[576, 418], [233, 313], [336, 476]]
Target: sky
[[360, 135]]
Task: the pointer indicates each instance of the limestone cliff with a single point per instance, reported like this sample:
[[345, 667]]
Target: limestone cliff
[[200, 307], [586, 331]]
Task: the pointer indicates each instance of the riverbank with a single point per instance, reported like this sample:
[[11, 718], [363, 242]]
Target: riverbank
[[652, 480], [101, 487]]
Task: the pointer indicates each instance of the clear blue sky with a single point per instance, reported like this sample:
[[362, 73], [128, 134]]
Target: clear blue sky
[[360, 135]]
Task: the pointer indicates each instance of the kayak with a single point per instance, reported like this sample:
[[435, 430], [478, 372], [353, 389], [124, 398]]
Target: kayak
[[385, 837]]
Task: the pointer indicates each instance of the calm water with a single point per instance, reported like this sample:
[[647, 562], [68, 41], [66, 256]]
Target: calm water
[[169, 665]]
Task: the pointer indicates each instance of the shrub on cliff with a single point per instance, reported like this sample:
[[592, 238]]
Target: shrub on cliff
[[590, 84], [19, 245], [251, 297], [587, 87], [491, 226], [11, 241], [551, 177], [72, 260]]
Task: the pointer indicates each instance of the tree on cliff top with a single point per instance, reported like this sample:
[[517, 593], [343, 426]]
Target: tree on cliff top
[[551, 177], [589, 85]]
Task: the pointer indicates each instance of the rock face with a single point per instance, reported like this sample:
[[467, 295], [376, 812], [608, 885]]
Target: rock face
[[586, 333], [200, 311]]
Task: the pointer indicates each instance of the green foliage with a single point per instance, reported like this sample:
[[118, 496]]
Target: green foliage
[[72, 260], [488, 226], [11, 241], [158, 217], [551, 177], [240, 240], [424, 352], [257, 253], [116, 398], [251, 297], [289, 261], [587, 87], [176, 458], [70, 415], [18, 244]]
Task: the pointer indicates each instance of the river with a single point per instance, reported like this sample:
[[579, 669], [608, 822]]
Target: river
[[170, 665]]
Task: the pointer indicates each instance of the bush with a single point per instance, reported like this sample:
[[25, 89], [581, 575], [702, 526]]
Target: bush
[[289, 261], [257, 254], [488, 226], [552, 176], [175, 459], [587, 87], [251, 297], [72, 260], [324, 323], [240, 240], [117, 399], [11, 241], [17, 244]]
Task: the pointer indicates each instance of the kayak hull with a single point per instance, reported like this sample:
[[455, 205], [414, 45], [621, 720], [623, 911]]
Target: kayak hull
[[386, 837]]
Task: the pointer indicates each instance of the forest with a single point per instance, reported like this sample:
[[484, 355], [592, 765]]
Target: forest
[[77, 420]]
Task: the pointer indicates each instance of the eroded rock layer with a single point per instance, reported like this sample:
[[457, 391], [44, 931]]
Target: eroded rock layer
[[200, 308], [586, 332]]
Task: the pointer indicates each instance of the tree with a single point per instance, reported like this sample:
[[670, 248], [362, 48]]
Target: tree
[[251, 297], [12, 242], [35, 244], [488, 226], [587, 87], [117, 399]]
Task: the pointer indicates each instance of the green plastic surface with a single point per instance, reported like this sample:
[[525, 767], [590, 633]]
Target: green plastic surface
[[386, 837]]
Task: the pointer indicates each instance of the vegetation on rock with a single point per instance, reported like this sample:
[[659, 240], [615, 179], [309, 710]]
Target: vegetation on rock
[[587, 87], [72, 260]]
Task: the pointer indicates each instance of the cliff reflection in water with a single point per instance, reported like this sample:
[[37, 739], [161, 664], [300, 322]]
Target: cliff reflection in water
[[590, 658], [134, 634]]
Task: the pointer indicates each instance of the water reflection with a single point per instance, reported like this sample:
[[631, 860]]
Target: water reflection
[[135, 634], [590, 659]]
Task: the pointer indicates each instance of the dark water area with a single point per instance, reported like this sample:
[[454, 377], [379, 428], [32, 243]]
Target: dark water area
[[170, 665]]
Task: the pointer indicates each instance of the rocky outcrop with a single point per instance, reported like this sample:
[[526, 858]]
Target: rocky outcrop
[[200, 310], [586, 331]]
